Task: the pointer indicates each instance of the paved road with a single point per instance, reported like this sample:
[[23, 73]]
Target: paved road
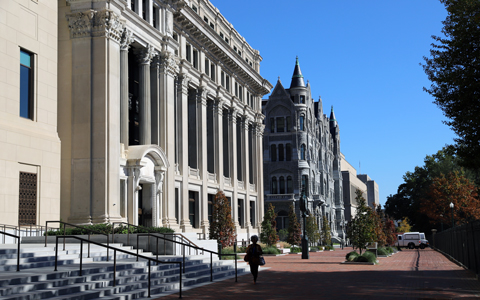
[[409, 274]]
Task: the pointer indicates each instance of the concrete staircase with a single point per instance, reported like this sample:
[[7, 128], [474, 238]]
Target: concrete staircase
[[38, 280]]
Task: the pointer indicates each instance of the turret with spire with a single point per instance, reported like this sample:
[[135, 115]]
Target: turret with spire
[[297, 78]]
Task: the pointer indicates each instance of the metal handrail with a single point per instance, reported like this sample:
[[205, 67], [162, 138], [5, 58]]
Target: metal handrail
[[27, 228], [81, 227], [18, 247], [146, 229], [115, 259], [198, 248]]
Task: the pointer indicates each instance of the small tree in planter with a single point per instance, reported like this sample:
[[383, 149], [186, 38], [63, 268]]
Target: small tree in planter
[[222, 227], [269, 227], [325, 236], [312, 230], [294, 230], [361, 230], [390, 232]]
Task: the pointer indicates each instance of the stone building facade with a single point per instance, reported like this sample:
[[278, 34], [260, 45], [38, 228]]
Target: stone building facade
[[29, 143], [159, 108], [302, 155]]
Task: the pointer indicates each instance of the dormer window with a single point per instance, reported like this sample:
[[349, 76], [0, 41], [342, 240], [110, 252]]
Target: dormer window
[[221, 35], [205, 19], [212, 25], [194, 8], [226, 40], [235, 48]]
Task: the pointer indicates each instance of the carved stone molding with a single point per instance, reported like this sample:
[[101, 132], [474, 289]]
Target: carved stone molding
[[169, 63], [183, 82], [159, 176], [91, 23], [127, 39], [202, 96], [145, 55]]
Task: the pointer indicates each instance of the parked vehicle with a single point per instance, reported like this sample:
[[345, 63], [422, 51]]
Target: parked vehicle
[[412, 240]]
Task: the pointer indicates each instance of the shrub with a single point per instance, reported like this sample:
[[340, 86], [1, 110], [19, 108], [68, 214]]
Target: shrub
[[294, 249], [284, 245], [361, 258], [368, 257], [229, 250], [351, 256], [383, 251], [107, 229], [271, 250], [313, 249], [329, 247], [389, 249], [283, 234]]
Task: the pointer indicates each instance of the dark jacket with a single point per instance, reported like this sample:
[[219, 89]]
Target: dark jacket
[[254, 254]]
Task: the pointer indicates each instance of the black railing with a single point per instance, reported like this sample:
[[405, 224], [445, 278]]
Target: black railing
[[76, 226], [18, 247], [195, 247], [115, 259], [462, 243], [23, 230], [141, 228]]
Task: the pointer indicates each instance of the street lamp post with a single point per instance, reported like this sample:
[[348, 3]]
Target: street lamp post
[[453, 222], [441, 220], [305, 213]]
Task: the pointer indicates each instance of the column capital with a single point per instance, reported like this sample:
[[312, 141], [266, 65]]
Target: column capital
[[127, 39], [145, 55], [92, 23], [169, 63], [202, 93]]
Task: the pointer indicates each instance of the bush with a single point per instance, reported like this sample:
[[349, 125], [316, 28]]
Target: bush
[[351, 256], [294, 249], [229, 250], [329, 247], [313, 249], [107, 229], [284, 245], [367, 257], [271, 250], [383, 251], [389, 249], [283, 234]]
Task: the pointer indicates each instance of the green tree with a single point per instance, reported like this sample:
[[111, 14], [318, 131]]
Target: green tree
[[222, 227], [294, 229], [361, 229], [312, 230], [453, 70], [325, 235], [269, 227], [404, 225]]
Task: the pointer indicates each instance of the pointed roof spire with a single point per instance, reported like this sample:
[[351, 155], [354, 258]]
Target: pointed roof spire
[[297, 78], [332, 116]]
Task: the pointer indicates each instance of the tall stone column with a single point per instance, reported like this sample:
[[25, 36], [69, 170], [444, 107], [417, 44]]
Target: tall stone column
[[218, 129], [202, 155], [155, 101], [145, 56], [233, 163], [259, 151], [157, 204], [168, 72], [182, 111], [127, 39], [246, 163]]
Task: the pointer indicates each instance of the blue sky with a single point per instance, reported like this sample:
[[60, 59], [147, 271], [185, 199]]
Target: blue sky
[[363, 58]]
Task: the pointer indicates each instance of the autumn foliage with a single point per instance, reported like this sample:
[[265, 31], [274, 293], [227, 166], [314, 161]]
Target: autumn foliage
[[269, 234], [454, 188], [294, 229], [222, 227]]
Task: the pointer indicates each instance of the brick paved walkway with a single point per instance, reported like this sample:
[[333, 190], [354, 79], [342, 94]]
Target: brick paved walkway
[[409, 274]]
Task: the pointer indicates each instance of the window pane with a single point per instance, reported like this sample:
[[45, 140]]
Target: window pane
[[280, 124], [25, 91], [25, 58]]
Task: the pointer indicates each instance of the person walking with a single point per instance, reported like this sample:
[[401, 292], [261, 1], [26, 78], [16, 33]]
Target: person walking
[[254, 252]]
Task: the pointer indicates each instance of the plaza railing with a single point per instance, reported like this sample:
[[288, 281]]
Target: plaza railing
[[18, 246], [82, 240], [461, 243]]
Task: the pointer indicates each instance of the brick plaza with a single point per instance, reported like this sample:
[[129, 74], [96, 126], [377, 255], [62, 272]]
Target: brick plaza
[[409, 274]]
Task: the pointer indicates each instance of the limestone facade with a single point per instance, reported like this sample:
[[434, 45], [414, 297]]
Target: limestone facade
[[29, 143], [302, 156], [159, 108]]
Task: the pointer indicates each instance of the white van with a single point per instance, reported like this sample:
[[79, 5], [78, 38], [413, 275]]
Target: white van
[[412, 240]]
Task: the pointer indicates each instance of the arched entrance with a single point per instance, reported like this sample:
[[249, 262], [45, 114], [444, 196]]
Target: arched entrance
[[145, 168]]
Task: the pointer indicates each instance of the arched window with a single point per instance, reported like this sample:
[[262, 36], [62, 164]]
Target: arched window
[[289, 152], [282, 185], [302, 152], [289, 185], [301, 122], [280, 153], [280, 124], [274, 185], [273, 152]]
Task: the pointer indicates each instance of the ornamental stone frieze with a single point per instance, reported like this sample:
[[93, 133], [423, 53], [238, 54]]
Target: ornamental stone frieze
[[92, 23]]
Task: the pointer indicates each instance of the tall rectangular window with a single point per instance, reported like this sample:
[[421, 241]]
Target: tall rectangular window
[[212, 72], [188, 53], [227, 83], [195, 59], [26, 84], [287, 123], [207, 66], [280, 124], [241, 219], [252, 213], [27, 202]]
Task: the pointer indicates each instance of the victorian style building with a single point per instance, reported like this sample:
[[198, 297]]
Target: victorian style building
[[302, 155], [159, 107]]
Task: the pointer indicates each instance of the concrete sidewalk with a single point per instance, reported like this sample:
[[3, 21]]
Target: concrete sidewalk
[[409, 274]]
